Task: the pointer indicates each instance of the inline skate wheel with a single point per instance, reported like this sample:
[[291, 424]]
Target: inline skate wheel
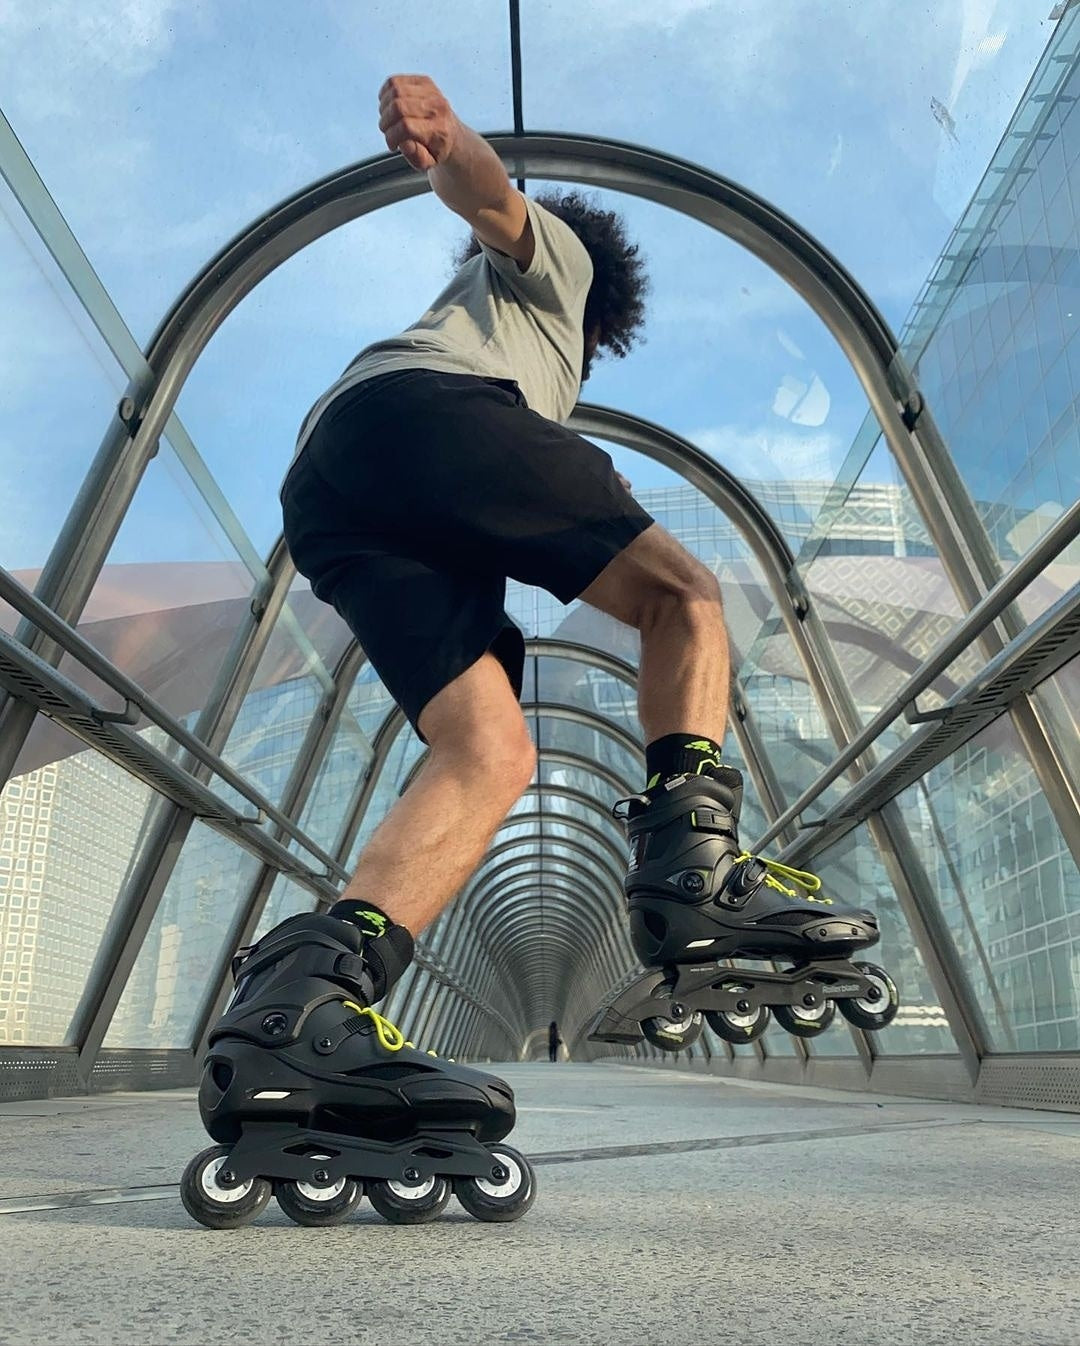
[[318, 1205], [806, 1021], [733, 1027], [506, 1195], [409, 1203], [211, 1196], [673, 1035], [876, 1010]]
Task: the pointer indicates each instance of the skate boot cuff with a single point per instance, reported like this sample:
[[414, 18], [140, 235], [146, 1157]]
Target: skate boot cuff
[[731, 778], [387, 957]]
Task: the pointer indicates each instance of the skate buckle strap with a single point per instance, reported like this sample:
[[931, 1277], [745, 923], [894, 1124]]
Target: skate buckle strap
[[775, 870], [390, 1036], [621, 812]]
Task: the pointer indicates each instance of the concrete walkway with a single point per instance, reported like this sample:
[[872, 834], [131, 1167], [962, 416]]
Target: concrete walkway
[[673, 1208]]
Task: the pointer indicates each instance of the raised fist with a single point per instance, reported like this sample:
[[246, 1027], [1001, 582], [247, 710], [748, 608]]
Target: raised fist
[[417, 120]]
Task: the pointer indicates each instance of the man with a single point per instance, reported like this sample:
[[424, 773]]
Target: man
[[437, 466]]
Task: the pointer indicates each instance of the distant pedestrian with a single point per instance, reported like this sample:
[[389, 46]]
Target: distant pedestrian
[[554, 1041]]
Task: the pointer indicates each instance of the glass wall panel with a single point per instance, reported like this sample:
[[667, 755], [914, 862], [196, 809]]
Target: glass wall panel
[[165, 990], [1059, 698], [166, 606], [789, 722], [879, 585], [336, 784], [852, 872], [47, 422], [996, 334], [73, 829], [328, 634], [287, 898], [883, 190], [778, 1043], [1008, 887], [273, 721], [85, 101], [401, 758], [369, 701]]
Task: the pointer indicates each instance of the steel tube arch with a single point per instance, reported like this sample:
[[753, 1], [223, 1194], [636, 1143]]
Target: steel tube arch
[[582, 826], [479, 913], [790, 251], [350, 193]]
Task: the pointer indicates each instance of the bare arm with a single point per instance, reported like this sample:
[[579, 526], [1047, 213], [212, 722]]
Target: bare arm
[[464, 171]]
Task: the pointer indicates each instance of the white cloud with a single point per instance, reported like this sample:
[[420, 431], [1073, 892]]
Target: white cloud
[[654, 13], [126, 37]]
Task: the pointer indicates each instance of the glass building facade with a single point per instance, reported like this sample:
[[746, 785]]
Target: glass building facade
[[193, 748]]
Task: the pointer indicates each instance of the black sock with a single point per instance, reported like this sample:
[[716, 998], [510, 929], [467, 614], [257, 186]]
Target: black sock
[[369, 918], [679, 755], [388, 949]]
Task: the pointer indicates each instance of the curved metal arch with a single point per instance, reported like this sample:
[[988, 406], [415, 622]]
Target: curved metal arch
[[605, 869], [545, 647], [578, 797], [527, 949], [483, 905], [563, 757], [570, 865], [524, 889], [477, 914], [487, 913], [349, 193], [616, 854], [553, 710]]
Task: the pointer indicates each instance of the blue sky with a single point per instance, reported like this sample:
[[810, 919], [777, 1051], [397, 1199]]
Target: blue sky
[[161, 127]]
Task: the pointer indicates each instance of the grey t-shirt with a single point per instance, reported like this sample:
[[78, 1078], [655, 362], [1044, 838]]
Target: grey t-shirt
[[498, 322]]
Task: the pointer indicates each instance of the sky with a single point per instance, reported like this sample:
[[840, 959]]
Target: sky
[[162, 127]]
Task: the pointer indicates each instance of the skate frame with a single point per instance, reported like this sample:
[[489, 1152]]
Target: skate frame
[[323, 1157], [716, 986]]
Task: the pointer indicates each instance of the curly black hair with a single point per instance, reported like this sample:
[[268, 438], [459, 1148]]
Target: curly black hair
[[616, 299]]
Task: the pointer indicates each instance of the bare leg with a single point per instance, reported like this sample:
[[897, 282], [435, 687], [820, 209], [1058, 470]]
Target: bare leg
[[673, 600], [431, 841]]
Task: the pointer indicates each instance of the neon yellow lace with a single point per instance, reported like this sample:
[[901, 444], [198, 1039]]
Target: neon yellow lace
[[390, 1036], [775, 870]]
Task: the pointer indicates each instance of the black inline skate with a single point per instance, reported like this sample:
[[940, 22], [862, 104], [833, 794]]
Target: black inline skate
[[697, 899], [317, 1098]]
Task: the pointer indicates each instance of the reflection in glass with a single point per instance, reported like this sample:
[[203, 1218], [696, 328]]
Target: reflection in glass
[[1008, 887], [852, 873], [265, 741], [336, 784], [400, 760], [73, 829], [286, 899], [166, 987], [996, 332]]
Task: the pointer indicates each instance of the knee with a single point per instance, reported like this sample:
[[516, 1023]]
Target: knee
[[686, 585], [500, 753]]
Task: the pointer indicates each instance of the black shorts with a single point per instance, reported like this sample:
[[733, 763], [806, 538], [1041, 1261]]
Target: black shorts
[[419, 493]]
